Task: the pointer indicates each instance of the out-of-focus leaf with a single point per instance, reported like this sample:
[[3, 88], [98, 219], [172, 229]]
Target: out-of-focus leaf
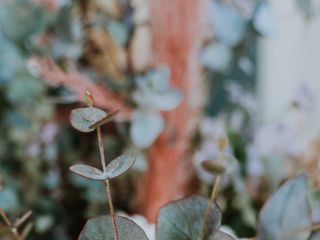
[[119, 165], [228, 24], [219, 235], [83, 118], [182, 220], [140, 48], [8, 199], [67, 42], [19, 19], [43, 223], [163, 101], [154, 91], [11, 60], [24, 88], [145, 127], [119, 31], [306, 7], [287, 211], [264, 20], [88, 172], [216, 56], [101, 228], [213, 167]]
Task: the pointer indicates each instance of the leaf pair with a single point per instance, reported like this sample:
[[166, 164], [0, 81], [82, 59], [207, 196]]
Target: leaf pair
[[182, 220], [114, 169]]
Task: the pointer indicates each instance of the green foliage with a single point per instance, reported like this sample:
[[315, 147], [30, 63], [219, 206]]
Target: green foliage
[[83, 118], [287, 212], [100, 228], [182, 220], [119, 165]]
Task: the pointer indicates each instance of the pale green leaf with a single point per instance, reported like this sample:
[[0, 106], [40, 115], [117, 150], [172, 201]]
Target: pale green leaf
[[101, 228], [119, 165], [182, 220]]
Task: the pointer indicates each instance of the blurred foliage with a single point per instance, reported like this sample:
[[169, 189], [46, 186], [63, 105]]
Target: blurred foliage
[[37, 144]]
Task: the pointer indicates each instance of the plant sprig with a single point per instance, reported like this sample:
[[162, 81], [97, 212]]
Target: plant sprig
[[86, 120]]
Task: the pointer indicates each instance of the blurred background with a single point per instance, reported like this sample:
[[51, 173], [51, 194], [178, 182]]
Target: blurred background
[[184, 73]]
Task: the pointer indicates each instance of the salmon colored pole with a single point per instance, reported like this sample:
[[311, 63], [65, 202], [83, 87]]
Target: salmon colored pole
[[177, 32]]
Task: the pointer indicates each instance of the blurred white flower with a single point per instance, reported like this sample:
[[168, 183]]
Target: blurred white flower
[[304, 97]]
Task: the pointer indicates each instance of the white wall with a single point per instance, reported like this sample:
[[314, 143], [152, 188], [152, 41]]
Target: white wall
[[290, 56]]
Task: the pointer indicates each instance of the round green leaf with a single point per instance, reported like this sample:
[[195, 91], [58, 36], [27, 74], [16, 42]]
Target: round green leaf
[[219, 235], [88, 172], [101, 228], [83, 118], [119, 165], [287, 211], [182, 220], [146, 126]]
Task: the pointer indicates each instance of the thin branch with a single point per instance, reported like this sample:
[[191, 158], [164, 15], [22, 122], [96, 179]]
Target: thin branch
[[208, 209], [103, 159], [79, 84], [5, 218], [107, 184], [113, 217], [22, 219]]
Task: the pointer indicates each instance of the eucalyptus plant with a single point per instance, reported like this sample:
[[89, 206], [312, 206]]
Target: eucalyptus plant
[[88, 119]]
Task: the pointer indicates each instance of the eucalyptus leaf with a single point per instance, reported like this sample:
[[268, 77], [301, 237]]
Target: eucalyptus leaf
[[101, 228], [88, 172], [9, 199], [119, 165], [19, 19], [83, 119], [264, 20], [182, 220], [160, 100], [216, 56], [228, 24], [287, 211], [145, 127], [219, 235]]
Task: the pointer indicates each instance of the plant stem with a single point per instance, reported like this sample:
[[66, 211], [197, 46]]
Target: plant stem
[[9, 224], [208, 209], [107, 184], [5, 218], [103, 159]]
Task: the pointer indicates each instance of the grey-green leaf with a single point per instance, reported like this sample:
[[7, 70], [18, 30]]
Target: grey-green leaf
[[146, 126], [88, 172], [219, 235], [287, 211], [82, 119], [119, 165], [101, 228], [182, 220]]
